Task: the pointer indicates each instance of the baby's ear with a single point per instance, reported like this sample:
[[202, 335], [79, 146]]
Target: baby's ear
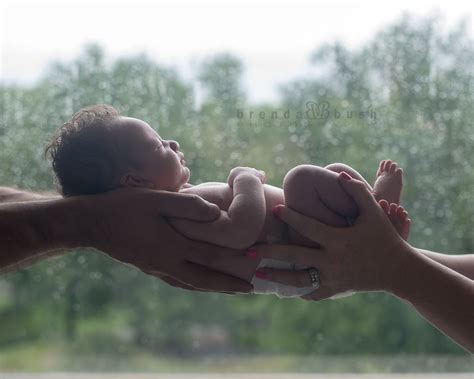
[[131, 180]]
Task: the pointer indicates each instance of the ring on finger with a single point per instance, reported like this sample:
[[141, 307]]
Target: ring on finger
[[314, 277]]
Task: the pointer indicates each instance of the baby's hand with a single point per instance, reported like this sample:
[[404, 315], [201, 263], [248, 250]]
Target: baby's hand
[[235, 172]]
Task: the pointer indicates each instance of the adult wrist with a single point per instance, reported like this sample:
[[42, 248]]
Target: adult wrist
[[398, 278]]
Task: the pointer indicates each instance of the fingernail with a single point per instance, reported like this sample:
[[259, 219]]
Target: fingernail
[[251, 253], [344, 175], [277, 210], [260, 275]]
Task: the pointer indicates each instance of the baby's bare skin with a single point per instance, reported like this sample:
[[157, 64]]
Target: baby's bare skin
[[130, 153], [245, 200], [388, 185], [273, 231], [221, 194]]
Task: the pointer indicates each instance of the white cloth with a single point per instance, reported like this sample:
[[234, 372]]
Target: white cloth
[[281, 290]]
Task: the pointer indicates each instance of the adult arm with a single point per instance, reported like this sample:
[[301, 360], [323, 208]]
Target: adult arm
[[239, 226], [129, 225], [14, 195], [464, 264], [370, 256], [17, 230]]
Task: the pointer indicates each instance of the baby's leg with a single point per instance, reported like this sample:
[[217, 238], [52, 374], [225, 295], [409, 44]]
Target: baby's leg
[[315, 192]]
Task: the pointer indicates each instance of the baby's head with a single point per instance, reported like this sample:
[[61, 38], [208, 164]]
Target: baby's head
[[98, 150]]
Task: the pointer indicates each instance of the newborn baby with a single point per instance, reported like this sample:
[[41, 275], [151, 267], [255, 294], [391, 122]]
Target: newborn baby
[[99, 150]]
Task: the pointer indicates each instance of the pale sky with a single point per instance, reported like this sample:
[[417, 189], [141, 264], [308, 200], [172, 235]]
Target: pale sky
[[274, 39]]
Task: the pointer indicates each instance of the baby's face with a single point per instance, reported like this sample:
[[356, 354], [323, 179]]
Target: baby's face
[[157, 163]]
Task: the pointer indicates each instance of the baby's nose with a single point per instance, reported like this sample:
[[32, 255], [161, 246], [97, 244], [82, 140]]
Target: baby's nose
[[174, 145]]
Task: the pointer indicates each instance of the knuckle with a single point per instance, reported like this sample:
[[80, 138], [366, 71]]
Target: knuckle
[[194, 198]]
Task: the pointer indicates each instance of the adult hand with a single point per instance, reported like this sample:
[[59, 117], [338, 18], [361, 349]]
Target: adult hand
[[363, 257], [131, 227]]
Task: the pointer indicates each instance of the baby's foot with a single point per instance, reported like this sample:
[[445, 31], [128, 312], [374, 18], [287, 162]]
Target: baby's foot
[[398, 216], [389, 182]]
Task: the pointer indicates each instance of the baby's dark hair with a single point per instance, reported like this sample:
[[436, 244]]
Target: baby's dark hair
[[84, 156]]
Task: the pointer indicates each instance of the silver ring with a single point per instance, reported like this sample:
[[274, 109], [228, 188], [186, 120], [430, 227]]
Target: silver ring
[[314, 276]]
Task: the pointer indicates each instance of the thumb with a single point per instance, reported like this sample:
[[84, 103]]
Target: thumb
[[207, 212], [191, 207], [358, 191]]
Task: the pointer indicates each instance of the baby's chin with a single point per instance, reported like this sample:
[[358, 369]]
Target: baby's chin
[[187, 175]]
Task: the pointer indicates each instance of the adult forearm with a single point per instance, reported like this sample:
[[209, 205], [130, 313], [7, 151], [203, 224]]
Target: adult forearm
[[464, 264], [13, 195], [31, 230], [441, 295]]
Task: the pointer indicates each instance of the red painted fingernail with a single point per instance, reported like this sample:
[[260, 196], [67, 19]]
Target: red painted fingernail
[[251, 253], [344, 175], [277, 210], [260, 275]]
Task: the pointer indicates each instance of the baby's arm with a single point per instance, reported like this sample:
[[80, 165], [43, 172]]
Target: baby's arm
[[240, 226]]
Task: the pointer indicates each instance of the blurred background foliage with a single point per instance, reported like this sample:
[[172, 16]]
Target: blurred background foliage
[[413, 80]]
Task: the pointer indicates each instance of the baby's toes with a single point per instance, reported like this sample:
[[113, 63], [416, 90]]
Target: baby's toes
[[405, 232], [393, 166], [380, 168], [402, 213], [384, 205], [387, 165], [393, 209]]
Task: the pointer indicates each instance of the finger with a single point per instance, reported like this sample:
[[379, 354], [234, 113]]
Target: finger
[[295, 278], [171, 281], [321, 293], [187, 206], [176, 283], [300, 255], [359, 192], [209, 255], [203, 278], [309, 227]]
